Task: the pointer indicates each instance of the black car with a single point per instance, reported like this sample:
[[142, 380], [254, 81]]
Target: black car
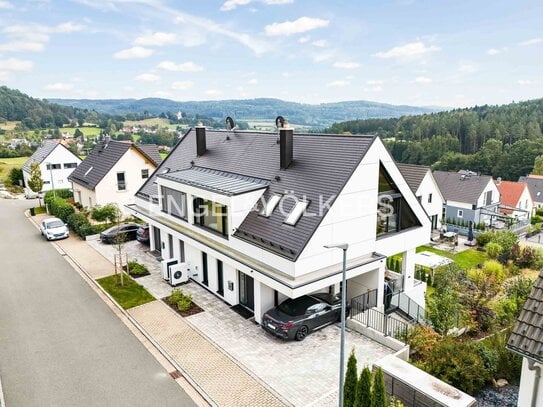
[[122, 232], [142, 234], [296, 318]]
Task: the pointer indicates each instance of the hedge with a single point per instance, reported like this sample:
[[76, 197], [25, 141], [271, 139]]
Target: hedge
[[58, 193], [60, 208]]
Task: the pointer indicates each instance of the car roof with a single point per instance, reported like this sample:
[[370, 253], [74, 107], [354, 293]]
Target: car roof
[[48, 220], [328, 298]]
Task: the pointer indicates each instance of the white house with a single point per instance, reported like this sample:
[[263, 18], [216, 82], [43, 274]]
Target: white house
[[424, 186], [468, 196], [113, 172], [515, 199], [250, 213], [527, 340], [56, 165]]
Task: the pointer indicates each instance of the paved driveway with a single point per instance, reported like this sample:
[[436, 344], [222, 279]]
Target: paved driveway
[[60, 345], [304, 373]]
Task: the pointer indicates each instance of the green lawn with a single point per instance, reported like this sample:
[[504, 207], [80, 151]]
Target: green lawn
[[466, 259], [87, 131], [153, 121], [130, 295], [6, 164]]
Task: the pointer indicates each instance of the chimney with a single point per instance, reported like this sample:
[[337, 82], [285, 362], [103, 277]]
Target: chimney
[[200, 139], [498, 180], [286, 147]]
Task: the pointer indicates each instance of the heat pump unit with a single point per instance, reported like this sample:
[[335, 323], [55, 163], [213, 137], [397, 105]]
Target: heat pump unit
[[179, 273], [165, 267]]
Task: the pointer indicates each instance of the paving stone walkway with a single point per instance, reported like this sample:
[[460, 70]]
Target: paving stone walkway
[[224, 381]]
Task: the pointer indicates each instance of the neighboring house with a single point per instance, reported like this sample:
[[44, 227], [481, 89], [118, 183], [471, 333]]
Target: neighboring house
[[468, 196], [424, 186], [113, 172], [56, 163], [250, 213], [515, 199], [527, 340], [535, 186]]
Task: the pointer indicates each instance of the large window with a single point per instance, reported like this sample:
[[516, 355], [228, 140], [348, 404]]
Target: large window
[[211, 215], [53, 166], [205, 280], [174, 203], [144, 173], [393, 211], [488, 198], [70, 165], [121, 182]]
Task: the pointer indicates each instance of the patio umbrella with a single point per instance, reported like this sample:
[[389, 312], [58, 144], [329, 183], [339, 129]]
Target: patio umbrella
[[470, 231]]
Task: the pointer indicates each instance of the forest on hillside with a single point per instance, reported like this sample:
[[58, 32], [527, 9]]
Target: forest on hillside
[[502, 141]]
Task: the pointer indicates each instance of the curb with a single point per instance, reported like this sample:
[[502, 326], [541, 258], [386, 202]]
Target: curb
[[2, 401], [142, 330]]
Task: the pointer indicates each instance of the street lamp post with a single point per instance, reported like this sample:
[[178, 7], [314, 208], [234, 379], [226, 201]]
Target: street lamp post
[[344, 247], [52, 181]]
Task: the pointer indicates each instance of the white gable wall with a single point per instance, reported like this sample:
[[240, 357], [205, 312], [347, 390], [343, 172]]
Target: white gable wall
[[57, 178], [525, 202], [131, 163], [429, 186], [491, 186]]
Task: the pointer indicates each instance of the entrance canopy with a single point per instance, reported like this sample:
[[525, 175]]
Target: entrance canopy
[[431, 260]]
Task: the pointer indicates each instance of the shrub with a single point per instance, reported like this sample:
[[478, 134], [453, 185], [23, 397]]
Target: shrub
[[459, 364], [536, 219], [378, 397], [106, 213], [351, 380], [180, 300], [493, 249], [184, 303], [484, 238], [15, 175], [59, 193], [506, 240], [60, 208], [421, 340], [363, 389], [490, 357], [539, 212], [509, 364], [137, 269]]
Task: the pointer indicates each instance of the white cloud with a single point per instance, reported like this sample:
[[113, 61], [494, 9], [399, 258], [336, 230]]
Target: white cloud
[[532, 41], [184, 67], [213, 92], [162, 94], [323, 56], [5, 5], [4, 76], [413, 49], [374, 82], [68, 27], [300, 25], [156, 39], [182, 85], [468, 68], [304, 39], [493, 51], [147, 77], [524, 82], [59, 87], [346, 65], [278, 2], [252, 82], [232, 4], [14, 64], [320, 43], [134, 52], [22, 46], [373, 89], [422, 80], [339, 83]]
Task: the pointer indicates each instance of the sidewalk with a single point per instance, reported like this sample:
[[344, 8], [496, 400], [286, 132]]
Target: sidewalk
[[222, 381]]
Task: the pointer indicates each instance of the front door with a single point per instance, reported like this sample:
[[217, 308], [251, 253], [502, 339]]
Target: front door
[[158, 243], [246, 291]]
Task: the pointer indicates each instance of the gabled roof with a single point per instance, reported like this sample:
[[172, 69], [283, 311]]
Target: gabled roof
[[43, 152], [527, 335], [461, 186], [221, 182], [535, 186], [510, 193], [103, 157], [413, 174], [322, 165]]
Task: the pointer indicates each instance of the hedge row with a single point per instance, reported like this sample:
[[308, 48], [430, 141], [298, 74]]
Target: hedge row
[[62, 209]]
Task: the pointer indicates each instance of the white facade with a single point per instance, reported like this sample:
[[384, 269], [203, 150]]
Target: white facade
[[132, 163], [431, 199], [56, 168], [351, 219], [527, 381]]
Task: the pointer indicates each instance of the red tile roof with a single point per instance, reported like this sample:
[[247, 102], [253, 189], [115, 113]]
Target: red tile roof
[[510, 193]]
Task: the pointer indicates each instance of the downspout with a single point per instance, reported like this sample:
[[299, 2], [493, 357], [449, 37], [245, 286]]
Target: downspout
[[533, 366]]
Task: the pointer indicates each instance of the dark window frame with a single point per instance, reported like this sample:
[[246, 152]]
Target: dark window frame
[[145, 173], [121, 185], [220, 277], [166, 206], [200, 218], [205, 269]]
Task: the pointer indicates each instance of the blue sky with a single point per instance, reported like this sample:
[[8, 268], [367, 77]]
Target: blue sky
[[444, 53]]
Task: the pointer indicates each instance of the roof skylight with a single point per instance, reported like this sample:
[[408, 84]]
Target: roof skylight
[[267, 210], [296, 213], [87, 172]]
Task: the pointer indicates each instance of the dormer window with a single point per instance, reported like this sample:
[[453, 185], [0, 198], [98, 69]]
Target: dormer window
[[296, 213], [267, 210]]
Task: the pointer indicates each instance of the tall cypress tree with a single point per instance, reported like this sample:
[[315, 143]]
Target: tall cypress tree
[[379, 397], [363, 389], [351, 379]]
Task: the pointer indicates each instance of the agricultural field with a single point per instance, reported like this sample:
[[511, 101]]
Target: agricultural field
[[154, 121], [6, 164], [8, 125], [87, 131]]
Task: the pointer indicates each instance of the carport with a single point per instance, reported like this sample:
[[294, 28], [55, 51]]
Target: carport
[[426, 260]]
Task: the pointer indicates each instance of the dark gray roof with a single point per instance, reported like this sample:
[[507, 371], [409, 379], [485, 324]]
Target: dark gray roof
[[151, 151], [413, 174], [101, 160], [535, 186], [42, 153], [322, 165], [455, 186], [222, 182], [527, 335]]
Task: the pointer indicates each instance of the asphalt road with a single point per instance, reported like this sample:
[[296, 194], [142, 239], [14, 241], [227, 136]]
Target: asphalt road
[[60, 345]]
